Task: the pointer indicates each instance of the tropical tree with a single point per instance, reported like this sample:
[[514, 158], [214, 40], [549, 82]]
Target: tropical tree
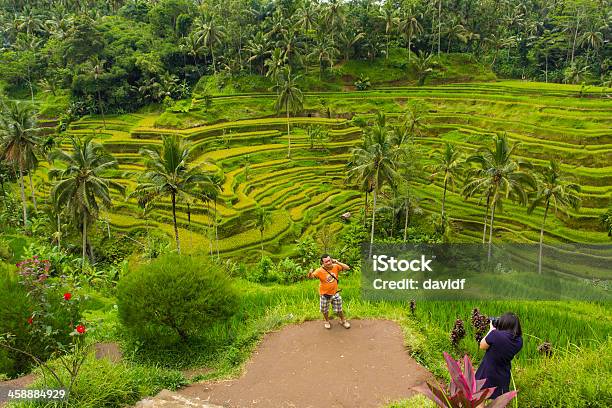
[[306, 16], [410, 27], [192, 45], [97, 69], [499, 176], [375, 163], [290, 98], [275, 64], [423, 66], [83, 189], [19, 141], [258, 47], [447, 163], [498, 42], [170, 173], [323, 50], [553, 189], [414, 118], [211, 35], [262, 220], [389, 16]]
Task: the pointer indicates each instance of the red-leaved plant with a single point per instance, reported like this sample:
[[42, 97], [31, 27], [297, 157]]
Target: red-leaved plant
[[464, 391]]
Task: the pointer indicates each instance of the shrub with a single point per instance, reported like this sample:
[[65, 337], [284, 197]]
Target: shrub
[[174, 296], [6, 252], [262, 272], [35, 315], [288, 271], [100, 384]]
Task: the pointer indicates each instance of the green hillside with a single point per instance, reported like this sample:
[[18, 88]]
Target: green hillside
[[309, 190]]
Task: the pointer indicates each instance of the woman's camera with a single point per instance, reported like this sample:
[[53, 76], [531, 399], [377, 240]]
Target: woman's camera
[[494, 321]]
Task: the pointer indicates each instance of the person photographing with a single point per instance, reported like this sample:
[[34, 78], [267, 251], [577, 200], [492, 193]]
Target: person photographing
[[503, 341], [328, 288]]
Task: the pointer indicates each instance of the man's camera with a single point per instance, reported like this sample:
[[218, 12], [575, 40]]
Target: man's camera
[[494, 321]]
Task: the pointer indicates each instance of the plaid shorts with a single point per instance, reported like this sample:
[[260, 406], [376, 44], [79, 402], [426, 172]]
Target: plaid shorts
[[335, 300]]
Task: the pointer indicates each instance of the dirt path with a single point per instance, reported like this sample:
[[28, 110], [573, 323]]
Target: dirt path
[[307, 366]]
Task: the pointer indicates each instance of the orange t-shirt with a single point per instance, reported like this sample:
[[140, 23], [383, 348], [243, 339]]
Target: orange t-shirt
[[327, 284]]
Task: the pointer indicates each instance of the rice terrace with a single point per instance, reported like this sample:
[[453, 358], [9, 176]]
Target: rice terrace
[[188, 188]]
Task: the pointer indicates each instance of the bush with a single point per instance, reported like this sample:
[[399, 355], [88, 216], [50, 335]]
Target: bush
[[102, 383], [36, 319], [174, 296], [6, 251], [262, 272], [288, 271], [568, 379]]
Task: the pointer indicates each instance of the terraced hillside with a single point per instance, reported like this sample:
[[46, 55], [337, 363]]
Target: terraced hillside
[[307, 191]]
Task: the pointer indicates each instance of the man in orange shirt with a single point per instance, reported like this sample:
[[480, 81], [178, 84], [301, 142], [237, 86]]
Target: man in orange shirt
[[328, 288]]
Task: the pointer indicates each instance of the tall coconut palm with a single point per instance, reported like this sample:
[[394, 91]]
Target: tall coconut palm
[[306, 16], [19, 141], [258, 47], [82, 189], [389, 16], [375, 163], [447, 163], [211, 35], [290, 98], [410, 27], [553, 190], [97, 69], [275, 65], [499, 175], [170, 173]]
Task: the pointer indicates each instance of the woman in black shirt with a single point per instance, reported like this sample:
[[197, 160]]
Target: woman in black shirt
[[502, 344]]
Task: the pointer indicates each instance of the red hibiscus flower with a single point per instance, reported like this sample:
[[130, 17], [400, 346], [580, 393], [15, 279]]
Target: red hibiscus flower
[[67, 296], [30, 320], [80, 329]]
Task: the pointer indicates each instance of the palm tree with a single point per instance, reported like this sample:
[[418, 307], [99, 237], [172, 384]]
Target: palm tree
[[258, 47], [306, 16], [169, 173], [211, 35], [414, 118], [375, 163], [498, 42], [291, 98], [19, 141], [448, 163], [193, 46], [553, 190], [348, 40], [323, 50], [409, 25], [82, 188], [455, 30], [262, 220], [388, 15], [275, 64], [423, 66], [97, 68], [499, 175], [334, 16]]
